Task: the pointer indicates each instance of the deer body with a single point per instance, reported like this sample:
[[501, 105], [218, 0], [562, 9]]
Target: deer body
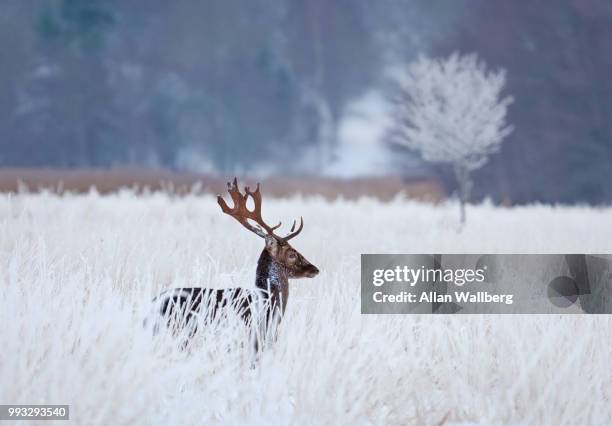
[[264, 304]]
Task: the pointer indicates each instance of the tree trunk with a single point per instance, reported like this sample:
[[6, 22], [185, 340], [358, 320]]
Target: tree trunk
[[462, 208], [462, 175]]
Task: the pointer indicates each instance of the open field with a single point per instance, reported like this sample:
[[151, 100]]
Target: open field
[[77, 274]]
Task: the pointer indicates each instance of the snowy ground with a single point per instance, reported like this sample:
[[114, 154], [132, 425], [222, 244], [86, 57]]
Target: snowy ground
[[77, 274]]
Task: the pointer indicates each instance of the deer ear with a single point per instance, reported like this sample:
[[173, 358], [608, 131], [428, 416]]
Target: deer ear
[[272, 245]]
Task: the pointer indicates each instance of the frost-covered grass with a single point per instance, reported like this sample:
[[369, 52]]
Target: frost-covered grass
[[77, 274]]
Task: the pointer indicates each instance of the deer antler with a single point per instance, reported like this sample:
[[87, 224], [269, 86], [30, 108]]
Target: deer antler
[[295, 234], [242, 214]]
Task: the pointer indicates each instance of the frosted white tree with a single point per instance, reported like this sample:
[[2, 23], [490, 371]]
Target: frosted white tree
[[451, 111]]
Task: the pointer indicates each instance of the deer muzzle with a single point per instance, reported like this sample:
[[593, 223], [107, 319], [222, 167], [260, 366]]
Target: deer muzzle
[[311, 271]]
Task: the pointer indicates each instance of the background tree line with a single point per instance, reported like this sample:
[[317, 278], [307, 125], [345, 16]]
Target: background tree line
[[244, 86]]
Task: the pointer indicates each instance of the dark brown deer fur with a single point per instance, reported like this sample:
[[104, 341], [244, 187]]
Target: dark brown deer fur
[[278, 263]]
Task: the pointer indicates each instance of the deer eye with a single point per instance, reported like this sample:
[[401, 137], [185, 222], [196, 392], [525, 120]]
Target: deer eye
[[292, 256]]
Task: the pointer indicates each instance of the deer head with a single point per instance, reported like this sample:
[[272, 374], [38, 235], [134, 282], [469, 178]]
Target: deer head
[[277, 247]]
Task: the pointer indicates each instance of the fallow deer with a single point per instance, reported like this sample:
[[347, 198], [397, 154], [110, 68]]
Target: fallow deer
[[278, 263]]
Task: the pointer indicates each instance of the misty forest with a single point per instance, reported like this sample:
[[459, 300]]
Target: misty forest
[[264, 87]]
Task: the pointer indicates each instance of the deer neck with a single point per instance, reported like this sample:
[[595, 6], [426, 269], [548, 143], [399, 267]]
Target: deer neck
[[272, 277]]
